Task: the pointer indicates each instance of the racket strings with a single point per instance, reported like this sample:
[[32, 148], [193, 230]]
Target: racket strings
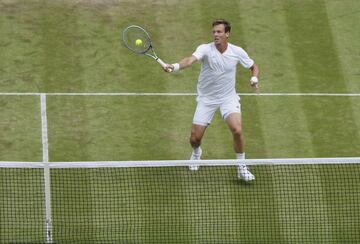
[[131, 37]]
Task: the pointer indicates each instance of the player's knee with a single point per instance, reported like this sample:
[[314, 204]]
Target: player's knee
[[237, 131]]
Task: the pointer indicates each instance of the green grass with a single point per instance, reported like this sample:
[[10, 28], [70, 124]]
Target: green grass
[[20, 129], [74, 46]]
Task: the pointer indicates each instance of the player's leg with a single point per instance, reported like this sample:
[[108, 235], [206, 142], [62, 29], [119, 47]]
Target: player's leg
[[202, 118], [234, 122], [197, 133], [231, 113], [235, 125]]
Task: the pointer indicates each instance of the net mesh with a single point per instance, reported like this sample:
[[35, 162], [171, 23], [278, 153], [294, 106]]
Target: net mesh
[[285, 204], [22, 210], [136, 39]]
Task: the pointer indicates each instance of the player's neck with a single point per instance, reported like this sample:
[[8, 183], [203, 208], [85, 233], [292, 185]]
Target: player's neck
[[221, 47]]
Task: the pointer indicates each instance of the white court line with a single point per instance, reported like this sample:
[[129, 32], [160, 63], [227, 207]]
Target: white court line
[[44, 129], [47, 184], [173, 94]]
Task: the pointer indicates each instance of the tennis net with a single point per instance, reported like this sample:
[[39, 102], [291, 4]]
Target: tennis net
[[291, 201]]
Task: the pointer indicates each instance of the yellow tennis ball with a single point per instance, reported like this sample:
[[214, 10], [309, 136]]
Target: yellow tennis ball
[[138, 42]]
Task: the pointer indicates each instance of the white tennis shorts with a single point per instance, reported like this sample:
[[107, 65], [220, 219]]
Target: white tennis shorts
[[204, 113]]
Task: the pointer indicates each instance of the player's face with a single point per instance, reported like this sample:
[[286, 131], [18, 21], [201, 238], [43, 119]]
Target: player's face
[[219, 34]]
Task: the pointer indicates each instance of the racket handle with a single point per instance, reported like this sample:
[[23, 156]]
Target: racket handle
[[161, 62]]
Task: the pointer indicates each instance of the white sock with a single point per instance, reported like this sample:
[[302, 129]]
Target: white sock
[[240, 156], [196, 150]]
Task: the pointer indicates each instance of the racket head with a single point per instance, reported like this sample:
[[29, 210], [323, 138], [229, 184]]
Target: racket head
[[131, 34]]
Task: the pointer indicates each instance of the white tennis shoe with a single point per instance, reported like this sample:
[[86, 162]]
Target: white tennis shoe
[[244, 174], [195, 156]]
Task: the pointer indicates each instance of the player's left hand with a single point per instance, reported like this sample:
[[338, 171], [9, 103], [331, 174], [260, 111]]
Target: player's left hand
[[254, 82]]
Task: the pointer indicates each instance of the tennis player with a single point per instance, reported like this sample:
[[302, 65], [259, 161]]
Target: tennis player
[[216, 89]]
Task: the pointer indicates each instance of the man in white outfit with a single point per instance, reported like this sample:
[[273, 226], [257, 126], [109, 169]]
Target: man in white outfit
[[216, 89]]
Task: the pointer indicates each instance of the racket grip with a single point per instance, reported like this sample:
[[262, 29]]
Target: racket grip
[[161, 62]]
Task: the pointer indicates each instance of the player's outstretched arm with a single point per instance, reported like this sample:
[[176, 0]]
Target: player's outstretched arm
[[184, 63]]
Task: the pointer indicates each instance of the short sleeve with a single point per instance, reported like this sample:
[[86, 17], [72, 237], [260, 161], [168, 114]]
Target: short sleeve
[[200, 52], [244, 59]]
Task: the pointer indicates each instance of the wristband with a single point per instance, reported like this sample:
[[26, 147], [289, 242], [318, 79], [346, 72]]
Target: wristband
[[176, 67], [254, 80]]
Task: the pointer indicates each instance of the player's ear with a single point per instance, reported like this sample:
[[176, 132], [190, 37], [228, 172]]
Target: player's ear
[[227, 34]]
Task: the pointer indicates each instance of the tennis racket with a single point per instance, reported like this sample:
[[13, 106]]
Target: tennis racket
[[138, 40]]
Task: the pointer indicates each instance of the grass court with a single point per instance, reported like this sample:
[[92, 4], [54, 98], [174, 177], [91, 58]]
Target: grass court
[[68, 46]]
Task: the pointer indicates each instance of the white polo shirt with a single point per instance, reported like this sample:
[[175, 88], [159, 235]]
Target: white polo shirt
[[217, 81]]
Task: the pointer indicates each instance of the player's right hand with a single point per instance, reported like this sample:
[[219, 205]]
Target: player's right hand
[[169, 68]]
